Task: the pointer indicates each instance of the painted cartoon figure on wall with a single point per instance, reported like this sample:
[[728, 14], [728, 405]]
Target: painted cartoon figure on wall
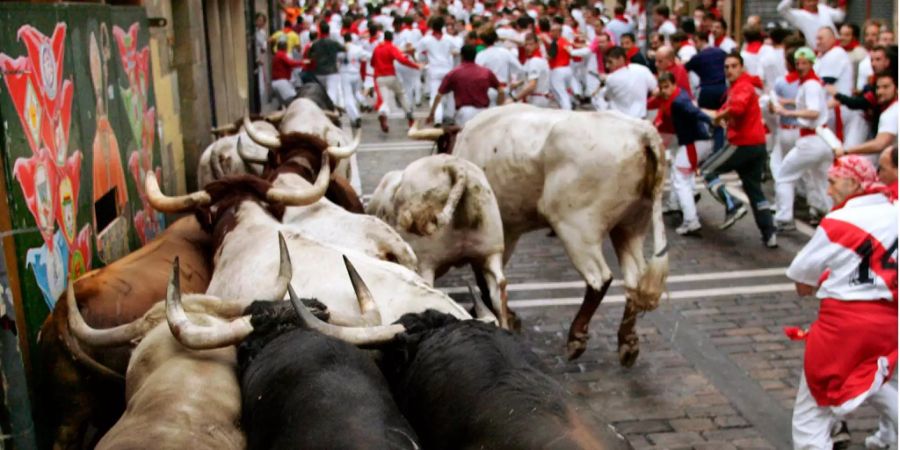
[[110, 194], [50, 178], [136, 64]]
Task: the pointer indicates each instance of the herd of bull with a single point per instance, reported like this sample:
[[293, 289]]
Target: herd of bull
[[366, 353]]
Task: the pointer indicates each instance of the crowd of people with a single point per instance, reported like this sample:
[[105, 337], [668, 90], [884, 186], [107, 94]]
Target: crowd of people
[[809, 100]]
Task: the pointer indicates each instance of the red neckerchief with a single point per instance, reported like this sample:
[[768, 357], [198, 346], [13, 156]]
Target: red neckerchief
[[665, 108], [631, 52], [753, 47], [815, 11], [852, 45], [811, 75], [405, 27], [718, 41], [683, 44], [885, 107], [792, 76], [621, 17]]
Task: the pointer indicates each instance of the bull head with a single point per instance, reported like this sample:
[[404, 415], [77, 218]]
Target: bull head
[[274, 142], [203, 337], [287, 197]]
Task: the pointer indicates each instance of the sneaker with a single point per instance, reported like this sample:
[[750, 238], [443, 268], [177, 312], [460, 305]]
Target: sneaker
[[875, 442], [697, 197], [356, 124], [771, 241], [688, 228], [841, 436], [785, 226], [384, 125], [733, 216]]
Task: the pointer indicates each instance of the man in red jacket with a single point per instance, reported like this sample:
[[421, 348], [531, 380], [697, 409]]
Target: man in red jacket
[[383, 57], [746, 152]]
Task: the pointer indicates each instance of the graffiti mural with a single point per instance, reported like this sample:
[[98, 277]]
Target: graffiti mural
[[50, 177], [142, 119], [78, 112]]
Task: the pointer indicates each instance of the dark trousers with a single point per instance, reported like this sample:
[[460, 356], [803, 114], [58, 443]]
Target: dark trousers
[[712, 96], [749, 162]]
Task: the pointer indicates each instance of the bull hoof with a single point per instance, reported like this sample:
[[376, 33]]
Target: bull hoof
[[628, 355], [576, 346]]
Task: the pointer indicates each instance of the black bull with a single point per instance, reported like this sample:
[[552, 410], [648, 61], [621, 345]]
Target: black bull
[[301, 389], [470, 385]]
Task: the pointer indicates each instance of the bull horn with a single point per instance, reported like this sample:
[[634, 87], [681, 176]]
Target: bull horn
[[285, 270], [164, 203], [482, 313], [200, 337], [292, 197], [223, 129], [367, 305], [108, 337], [249, 159], [276, 116], [429, 134], [352, 335], [345, 152], [260, 137]]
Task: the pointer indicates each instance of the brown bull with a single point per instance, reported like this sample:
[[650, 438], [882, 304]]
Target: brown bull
[[84, 386]]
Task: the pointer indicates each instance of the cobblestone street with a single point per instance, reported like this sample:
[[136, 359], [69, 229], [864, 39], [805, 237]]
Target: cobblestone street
[[715, 369]]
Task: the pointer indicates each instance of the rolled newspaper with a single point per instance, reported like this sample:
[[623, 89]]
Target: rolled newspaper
[[829, 137]]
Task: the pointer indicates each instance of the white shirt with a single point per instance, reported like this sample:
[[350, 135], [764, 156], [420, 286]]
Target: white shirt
[[773, 66], [864, 72], [812, 95], [618, 28], [627, 90], [511, 38], [835, 63], [887, 123], [868, 219], [667, 29], [439, 53], [537, 68], [810, 23], [686, 53], [753, 62], [727, 44], [350, 59], [500, 61]]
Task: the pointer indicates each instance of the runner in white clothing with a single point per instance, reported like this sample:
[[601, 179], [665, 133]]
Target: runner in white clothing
[[411, 79], [351, 80], [811, 153], [834, 67], [627, 85], [886, 92], [811, 18], [535, 88], [499, 60], [439, 51]]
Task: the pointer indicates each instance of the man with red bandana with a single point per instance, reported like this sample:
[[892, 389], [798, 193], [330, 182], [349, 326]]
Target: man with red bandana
[[811, 155], [849, 41], [851, 349]]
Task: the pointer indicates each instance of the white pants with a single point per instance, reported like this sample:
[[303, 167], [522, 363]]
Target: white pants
[[856, 129], [785, 139], [392, 84], [811, 155], [560, 79], [350, 85], [284, 91], [579, 73], [812, 423], [466, 113], [682, 174], [410, 78], [434, 82], [332, 85], [591, 83]]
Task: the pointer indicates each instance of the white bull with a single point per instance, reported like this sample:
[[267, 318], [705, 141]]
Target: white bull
[[168, 385], [444, 207], [323, 220], [245, 232], [586, 175], [304, 116], [223, 157]]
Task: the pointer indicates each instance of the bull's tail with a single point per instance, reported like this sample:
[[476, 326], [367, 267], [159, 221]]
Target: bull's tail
[[653, 279], [423, 218], [458, 175]]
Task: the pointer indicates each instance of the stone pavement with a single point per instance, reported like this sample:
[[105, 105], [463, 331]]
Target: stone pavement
[[715, 369]]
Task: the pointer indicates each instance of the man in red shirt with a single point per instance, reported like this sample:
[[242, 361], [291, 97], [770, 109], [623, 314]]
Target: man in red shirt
[[560, 70], [282, 68], [746, 152], [383, 57], [469, 83]]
